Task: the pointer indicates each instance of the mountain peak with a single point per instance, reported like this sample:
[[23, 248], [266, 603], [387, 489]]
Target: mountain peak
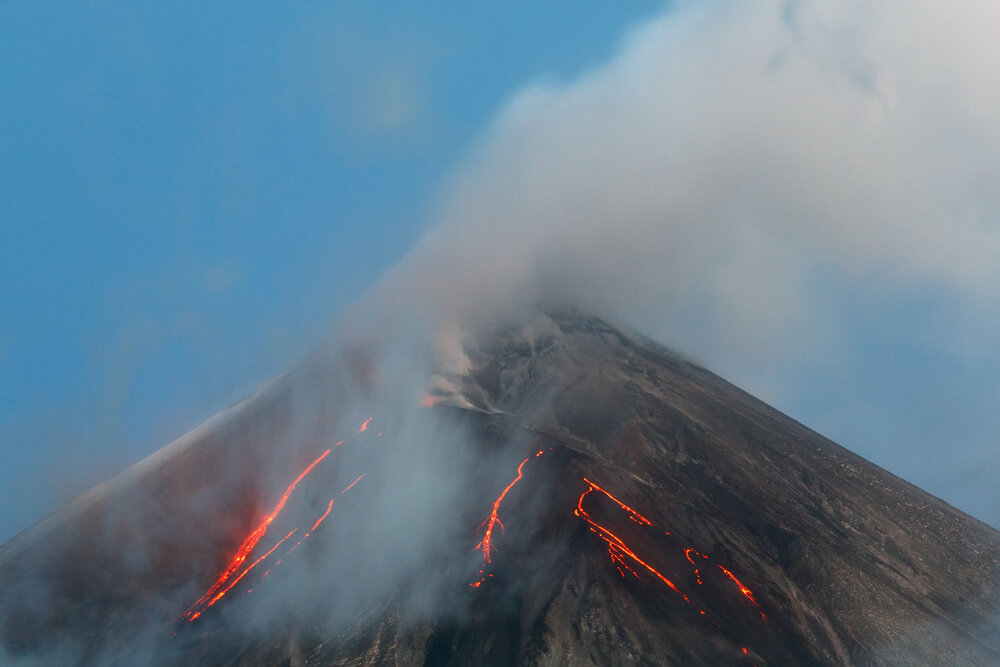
[[578, 494]]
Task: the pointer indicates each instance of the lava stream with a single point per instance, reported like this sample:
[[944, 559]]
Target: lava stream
[[486, 544], [349, 486], [617, 548], [633, 514], [322, 518], [743, 589], [218, 596], [616, 543], [248, 546], [225, 582], [697, 572]]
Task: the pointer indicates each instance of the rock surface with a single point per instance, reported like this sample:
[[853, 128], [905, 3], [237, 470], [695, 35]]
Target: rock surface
[[661, 516]]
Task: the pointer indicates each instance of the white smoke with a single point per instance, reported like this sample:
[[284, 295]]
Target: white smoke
[[731, 160], [703, 186]]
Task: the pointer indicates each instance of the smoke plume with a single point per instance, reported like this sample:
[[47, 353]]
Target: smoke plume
[[732, 162], [706, 185]]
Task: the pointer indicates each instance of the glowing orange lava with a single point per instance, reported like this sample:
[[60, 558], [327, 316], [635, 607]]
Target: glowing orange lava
[[306, 536], [615, 543], [220, 594], [209, 598], [351, 485], [236, 569], [486, 544], [633, 514], [697, 572], [322, 518], [617, 548], [743, 589]]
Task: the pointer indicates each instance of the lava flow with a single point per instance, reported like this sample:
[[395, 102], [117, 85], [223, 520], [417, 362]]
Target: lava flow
[[220, 594], [697, 572], [235, 570], [743, 589], [486, 544], [322, 518], [633, 514], [351, 485], [617, 548], [304, 537], [212, 595]]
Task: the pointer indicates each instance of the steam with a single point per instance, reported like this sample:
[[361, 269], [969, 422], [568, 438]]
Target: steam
[[703, 186], [712, 180]]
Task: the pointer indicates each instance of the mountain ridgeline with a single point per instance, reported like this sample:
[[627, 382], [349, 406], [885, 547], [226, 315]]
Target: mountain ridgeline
[[579, 495]]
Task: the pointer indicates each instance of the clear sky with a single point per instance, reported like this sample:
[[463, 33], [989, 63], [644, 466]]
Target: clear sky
[[190, 193]]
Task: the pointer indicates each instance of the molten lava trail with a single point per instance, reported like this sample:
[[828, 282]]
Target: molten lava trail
[[697, 571], [617, 548], [633, 514], [351, 485], [615, 543], [486, 544], [220, 594], [322, 518], [743, 589], [247, 547], [229, 577], [191, 617], [306, 536]]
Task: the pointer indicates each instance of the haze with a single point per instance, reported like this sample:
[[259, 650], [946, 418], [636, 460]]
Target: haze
[[801, 195]]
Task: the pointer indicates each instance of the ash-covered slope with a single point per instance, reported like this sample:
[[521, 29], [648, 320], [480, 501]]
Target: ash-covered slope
[[608, 503], [849, 563]]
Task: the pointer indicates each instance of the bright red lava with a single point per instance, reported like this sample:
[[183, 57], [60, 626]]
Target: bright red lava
[[633, 514], [615, 543], [212, 594], [486, 544], [697, 572], [623, 557], [349, 486], [743, 589], [220, 594], [322, 518], [235, 570], [617, 548]]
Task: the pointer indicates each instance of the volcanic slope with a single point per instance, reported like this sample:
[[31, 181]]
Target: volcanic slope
[[620, 505]]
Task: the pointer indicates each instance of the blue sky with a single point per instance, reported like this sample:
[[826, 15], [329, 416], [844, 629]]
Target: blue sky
[[190, 194]]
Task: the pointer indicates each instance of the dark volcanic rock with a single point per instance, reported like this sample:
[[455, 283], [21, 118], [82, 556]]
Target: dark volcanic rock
[[843, 562]]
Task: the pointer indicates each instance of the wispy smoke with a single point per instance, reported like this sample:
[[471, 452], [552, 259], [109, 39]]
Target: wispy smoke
[[705, 185], [732, 161]]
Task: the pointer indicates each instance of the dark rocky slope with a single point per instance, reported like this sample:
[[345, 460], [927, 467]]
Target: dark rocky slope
[[840, 562]]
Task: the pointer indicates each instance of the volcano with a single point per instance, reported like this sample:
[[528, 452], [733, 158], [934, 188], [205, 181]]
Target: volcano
[[575, 494]]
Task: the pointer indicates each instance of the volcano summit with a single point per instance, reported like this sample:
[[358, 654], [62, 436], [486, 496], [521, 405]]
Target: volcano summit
[[576, 494]]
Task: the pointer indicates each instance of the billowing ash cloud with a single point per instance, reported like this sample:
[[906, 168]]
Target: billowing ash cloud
[[729, 162]]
